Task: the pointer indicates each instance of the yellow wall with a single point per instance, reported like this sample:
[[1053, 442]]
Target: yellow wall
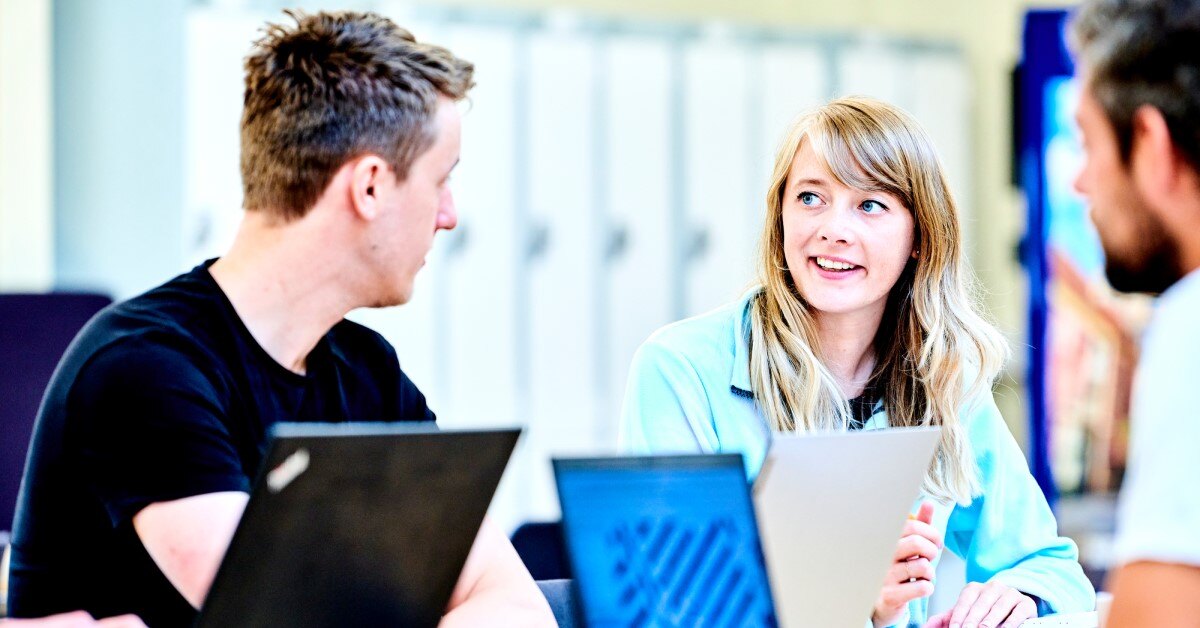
[[26, 114]]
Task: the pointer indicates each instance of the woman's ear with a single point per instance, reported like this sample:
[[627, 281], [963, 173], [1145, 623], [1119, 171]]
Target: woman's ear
[[366, 176]]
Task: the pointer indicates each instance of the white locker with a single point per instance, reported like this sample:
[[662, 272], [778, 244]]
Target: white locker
[[218, 41], [638, 171], [480, 378], [719, 193], [479, 269], [942, 103], [874, 68], [564, 259], [793, 79]]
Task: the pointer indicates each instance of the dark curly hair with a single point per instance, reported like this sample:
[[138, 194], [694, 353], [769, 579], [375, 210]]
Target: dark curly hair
[[1143, 52], [330, 88]]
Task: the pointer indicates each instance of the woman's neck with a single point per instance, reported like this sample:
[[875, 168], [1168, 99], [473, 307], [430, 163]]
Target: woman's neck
[[847, 348]]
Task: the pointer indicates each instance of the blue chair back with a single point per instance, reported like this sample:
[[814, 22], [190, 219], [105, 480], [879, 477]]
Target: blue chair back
[[35, 330], [540, 546]]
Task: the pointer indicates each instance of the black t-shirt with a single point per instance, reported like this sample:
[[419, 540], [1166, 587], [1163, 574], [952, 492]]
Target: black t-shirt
[[161, 397]]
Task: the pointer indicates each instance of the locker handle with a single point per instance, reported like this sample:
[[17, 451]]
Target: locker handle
[[537, 241], [618, 242], [458, 241], [697, 244]]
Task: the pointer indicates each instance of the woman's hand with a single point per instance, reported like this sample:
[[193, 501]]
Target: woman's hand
[[911, 574], [991, 605]]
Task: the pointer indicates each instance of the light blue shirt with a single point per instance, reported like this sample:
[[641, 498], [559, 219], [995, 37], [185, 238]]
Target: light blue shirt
[[689, 391], [1159, 515]]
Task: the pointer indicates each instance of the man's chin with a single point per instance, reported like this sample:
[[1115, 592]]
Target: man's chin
[[1153, 277], [392, 300]]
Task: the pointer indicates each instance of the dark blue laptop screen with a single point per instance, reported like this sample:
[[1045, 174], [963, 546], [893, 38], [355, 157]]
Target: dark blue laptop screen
[[667, 541]]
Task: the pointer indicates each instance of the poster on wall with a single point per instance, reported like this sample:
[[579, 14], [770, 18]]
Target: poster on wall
[[1083, 334]]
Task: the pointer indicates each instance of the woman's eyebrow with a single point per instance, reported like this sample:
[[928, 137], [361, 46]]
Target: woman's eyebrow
[[811, 181]]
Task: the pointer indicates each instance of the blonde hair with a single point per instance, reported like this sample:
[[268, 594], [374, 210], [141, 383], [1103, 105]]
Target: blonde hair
[[935, 353]]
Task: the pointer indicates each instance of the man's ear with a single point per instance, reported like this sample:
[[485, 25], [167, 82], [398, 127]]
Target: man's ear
[[1155, 163], [367, 173]]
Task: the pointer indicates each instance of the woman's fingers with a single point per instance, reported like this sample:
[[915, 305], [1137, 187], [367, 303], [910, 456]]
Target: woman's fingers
[[966, 601], [1025, 609], [916, 569], [925, 512], [916, 545], [991, 605], [941, 620], [898, 595], [1003, 608], [913, 527]]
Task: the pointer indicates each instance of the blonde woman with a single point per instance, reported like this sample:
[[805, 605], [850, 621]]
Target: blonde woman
[[864, 319]]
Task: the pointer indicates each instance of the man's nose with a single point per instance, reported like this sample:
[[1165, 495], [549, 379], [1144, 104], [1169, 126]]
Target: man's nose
[[447, 213]]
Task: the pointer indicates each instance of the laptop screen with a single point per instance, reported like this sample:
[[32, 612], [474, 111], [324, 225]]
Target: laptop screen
[[664, 541]]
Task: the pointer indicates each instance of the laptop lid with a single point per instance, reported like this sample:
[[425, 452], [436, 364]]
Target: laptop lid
[[830, 511], [663, 541], [358, 525]]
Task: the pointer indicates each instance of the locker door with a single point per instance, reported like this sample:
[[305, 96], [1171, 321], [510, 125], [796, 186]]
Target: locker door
[[641, 279], [217, 42], [719, 188], [941, 102], [564, 258], [479, 272], [874, 69], [478, 308], [793, 79]]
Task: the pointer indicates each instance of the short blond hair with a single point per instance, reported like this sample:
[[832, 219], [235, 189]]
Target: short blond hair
[[331, 87]]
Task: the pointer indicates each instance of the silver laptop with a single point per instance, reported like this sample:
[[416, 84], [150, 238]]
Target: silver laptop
[[830, 511]]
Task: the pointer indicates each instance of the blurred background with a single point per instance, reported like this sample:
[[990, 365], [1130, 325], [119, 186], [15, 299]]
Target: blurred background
[[614, 165]]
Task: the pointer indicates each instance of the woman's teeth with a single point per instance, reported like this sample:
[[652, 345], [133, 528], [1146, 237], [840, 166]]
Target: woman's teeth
[[829, 264]]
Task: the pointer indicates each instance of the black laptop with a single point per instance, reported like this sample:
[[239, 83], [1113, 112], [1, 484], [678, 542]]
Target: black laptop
[[361, 524]]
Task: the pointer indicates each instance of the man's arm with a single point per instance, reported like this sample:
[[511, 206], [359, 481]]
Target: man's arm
[[495, 588], [77, 619], [1162, 595], [187, 538]]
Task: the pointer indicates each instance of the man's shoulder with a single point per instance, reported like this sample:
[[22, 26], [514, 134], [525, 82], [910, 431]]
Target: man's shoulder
[[180, 314]]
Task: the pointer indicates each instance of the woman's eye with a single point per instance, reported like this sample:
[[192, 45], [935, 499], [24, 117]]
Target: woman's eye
[[872, 207], [808, 198]]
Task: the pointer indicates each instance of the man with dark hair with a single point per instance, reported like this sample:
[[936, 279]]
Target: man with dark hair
[[156, 419], [1139, 112]]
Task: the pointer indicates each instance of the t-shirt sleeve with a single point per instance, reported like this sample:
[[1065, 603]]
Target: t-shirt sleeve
[[1158, 518], [413, 406], [149, 425]]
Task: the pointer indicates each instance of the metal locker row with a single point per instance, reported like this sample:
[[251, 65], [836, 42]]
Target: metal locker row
[[612, 180]]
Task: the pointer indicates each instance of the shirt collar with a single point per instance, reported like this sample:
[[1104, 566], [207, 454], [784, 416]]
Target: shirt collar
[[739, 380]]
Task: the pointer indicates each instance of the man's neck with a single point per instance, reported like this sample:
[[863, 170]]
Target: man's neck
[[285, 291], [847, 348]]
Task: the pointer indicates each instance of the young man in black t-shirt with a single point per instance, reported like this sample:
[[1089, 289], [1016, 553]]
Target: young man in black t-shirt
[[156, 419]]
